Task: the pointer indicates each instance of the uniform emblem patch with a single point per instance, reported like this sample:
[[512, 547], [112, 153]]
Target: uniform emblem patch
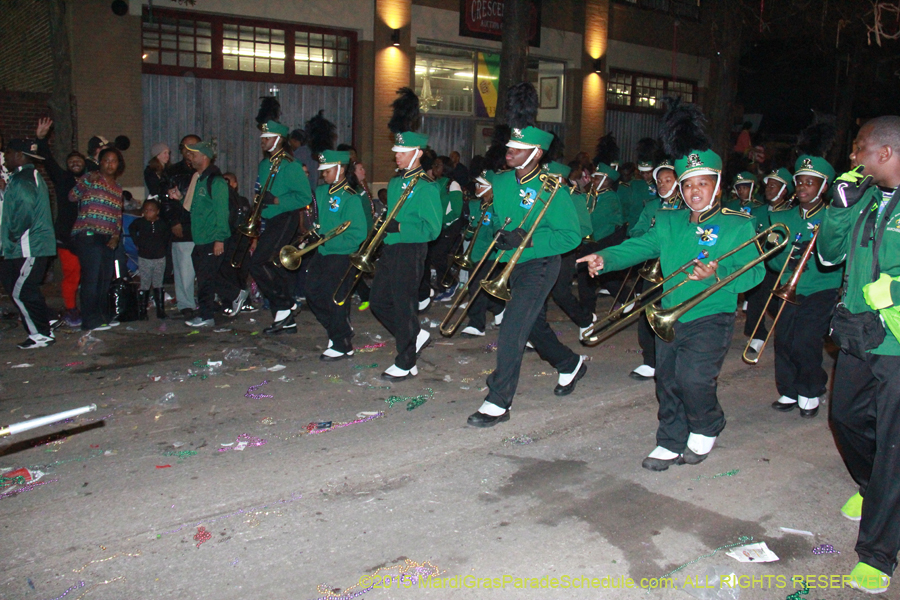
[[528, 197], [708, 235], [693, 160], [334, 204], [487, 218]]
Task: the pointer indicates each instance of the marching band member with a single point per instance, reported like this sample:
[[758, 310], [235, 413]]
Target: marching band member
[[532, 278], [801, 328], [860, 227], [778, 187], [668, 198], [287, 194], [482, 302], [394, 298], [690, 416], [608, 214], [337, 201]]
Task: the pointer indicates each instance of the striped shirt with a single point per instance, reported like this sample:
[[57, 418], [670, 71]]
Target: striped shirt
[[100, 205]]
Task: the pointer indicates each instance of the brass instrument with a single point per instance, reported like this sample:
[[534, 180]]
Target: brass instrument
[[615, 322], [250, 229], [651, 271], [499, 288], [663, 321], [463, 260], [364, 258], [786, 292], [447, 330], [290, 257]]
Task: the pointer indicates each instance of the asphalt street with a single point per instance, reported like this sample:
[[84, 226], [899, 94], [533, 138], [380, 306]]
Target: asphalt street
[[186, 483]]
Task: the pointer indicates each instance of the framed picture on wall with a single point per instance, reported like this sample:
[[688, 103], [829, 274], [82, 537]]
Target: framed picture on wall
[[549, 92]]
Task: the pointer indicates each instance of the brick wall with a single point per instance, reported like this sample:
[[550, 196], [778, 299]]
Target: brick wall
[[106, 75], [25, 60], [392, 71]]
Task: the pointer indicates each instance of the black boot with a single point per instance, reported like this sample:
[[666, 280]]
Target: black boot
[[159, 297], [143, 300]]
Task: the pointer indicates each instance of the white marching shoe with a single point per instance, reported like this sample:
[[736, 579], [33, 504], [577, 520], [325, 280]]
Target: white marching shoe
[[395, 373]]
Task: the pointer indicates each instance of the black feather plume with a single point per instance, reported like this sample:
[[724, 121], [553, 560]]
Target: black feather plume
[[555, 151], [320, 133], [521, 105], [646, 149], [495, 157], [269, 110], [607, 150], [817, 139], [406, 112], [683, 128]]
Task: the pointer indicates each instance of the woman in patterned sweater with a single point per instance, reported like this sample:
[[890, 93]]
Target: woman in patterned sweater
[[96, 235]]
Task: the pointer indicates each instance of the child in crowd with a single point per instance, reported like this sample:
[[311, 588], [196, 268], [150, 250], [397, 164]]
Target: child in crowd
[[151, 236]]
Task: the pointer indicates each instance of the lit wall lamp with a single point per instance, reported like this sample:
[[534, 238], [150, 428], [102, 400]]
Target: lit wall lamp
[[395, 37], [598, 66]]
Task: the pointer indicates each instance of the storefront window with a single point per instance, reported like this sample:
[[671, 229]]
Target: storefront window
[[445, 79]]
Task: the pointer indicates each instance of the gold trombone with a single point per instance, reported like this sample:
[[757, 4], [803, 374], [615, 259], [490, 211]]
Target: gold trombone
[[615, 322], [499, 287], [364, 259], [663, 321], [787, 293], [252, 227], [290, 257], [463, 260], [446, 329]]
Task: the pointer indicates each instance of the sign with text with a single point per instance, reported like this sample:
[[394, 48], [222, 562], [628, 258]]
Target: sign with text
[[484, 19]]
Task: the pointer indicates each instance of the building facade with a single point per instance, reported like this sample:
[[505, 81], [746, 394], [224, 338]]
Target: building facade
[[162, 69]]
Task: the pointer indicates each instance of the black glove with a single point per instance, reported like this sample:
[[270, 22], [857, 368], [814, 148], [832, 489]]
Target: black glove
[[510, 240], [393, 226], [268, 199], [850, 187]]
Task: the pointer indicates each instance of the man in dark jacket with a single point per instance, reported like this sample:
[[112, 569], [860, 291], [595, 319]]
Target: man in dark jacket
[[66, 213], [176, 212], [27, 241]]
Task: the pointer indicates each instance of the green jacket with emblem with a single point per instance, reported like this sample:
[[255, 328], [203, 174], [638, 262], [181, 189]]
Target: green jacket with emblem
[[421, 216], [675, 241], [485, 235], [834, 248], [579, 201], [336, 204], [758, 210], [649, 213], [636, 194], [209, 214], [607, 215], [558, 232], [291, 187], [26, 225], [816, 277]]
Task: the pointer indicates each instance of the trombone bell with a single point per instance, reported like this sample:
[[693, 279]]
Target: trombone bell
[[290, 258], [498, 288]]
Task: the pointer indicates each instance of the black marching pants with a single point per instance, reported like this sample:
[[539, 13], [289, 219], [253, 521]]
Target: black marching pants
[[865, 418], [686, 380], [483, 301], [394, 299], [525, 320], [231, 280], [324, 276], [799, 341], [275, 283], [580, 310]]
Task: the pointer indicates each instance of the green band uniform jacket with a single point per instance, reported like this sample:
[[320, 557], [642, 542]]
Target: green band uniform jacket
[[291, 186], [675, 241], [421, 215], [816, 277], [338, 203]]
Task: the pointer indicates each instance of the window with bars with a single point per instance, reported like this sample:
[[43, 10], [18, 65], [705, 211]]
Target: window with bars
[[645, 92], [176, 42], [253, 49], [321, 54]]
